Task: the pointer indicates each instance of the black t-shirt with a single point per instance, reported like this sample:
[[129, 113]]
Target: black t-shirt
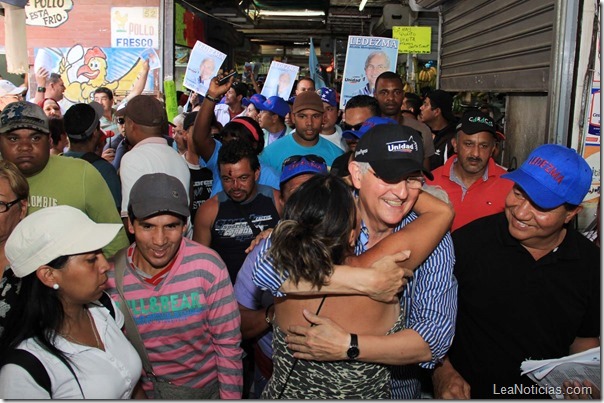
[[231, 232], [512, 308], [443, 148]]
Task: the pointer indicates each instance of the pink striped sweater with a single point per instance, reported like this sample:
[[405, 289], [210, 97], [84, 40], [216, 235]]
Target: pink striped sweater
[[190, 321]]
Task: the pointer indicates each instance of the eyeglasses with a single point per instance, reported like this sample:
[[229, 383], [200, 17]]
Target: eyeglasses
[[298, 158], [413, 182], [120, 121], [5, 206], [345, 126]]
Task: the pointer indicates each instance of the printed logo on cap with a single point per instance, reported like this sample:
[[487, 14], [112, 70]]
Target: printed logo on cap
[[402, 146], [478, 119]]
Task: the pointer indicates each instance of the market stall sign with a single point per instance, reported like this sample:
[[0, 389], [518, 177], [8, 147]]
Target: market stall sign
[[47, 13], [135, 27], [413, 39]]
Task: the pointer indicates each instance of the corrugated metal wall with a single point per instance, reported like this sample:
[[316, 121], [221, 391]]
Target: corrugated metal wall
[[494, 45]]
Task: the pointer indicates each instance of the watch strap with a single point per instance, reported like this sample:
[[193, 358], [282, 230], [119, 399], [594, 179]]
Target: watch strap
[[41, 89]]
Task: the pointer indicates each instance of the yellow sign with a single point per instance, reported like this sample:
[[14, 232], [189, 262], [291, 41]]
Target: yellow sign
[[413, 39]]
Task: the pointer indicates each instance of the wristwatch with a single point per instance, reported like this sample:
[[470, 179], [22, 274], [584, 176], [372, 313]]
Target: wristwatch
[[41, 89], [353, 350]]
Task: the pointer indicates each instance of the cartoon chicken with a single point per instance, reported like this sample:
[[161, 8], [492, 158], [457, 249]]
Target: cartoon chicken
[[94, 72]]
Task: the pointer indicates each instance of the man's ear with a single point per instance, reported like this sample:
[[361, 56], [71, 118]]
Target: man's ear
[[572, 214], [355, 174], [454, 144], [47, 275]]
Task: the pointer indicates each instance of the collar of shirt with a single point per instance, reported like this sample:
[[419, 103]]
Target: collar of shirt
[[456, 179]]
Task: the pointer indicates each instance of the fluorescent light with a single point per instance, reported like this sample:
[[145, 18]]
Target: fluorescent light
[[362, 5], [291, 13]]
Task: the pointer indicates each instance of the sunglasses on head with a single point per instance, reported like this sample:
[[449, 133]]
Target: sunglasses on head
[[298, 158], [346, 126]]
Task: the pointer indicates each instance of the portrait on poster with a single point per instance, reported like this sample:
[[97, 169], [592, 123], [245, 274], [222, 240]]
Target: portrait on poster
[[204, 63], [366, 58], [280, 80]]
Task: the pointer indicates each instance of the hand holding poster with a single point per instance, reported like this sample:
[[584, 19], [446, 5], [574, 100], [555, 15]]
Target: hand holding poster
[[366, 58], [204, 63], [151, 56], [280, 80]]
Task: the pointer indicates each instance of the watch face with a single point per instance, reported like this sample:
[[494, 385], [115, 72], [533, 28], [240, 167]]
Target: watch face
[[353, 352]]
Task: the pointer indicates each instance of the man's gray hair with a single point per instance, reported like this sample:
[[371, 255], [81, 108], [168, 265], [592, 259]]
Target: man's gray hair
[[374, 54]]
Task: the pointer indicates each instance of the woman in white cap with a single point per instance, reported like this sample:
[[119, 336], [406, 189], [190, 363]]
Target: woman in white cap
[[62, 318]]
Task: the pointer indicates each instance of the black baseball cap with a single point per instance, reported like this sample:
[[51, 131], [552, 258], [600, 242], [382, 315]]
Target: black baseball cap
[[393, 151], [475, 121]]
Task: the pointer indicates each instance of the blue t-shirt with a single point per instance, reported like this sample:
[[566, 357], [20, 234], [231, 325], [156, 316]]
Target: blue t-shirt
[[278, 151]]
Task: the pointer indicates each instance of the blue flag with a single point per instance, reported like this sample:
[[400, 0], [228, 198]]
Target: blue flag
[[315, 70]]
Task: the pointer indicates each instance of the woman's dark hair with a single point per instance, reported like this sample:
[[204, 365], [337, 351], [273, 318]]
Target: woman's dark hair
[[314, 233], [37, 314], [240, 128]]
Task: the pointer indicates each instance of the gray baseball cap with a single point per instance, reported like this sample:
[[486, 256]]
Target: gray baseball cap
[[158, 193], [23, 115]]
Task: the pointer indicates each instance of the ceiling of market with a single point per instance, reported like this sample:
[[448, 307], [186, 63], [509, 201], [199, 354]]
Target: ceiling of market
[[271, 34]]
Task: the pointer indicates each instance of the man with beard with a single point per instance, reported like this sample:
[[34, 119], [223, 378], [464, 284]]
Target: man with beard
[[230, 220], [471, 178]]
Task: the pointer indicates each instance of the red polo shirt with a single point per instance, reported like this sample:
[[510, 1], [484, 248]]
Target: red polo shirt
[[483, 197]]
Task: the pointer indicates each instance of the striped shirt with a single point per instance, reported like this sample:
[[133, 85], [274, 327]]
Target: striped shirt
[[431, 298], [189, 322]]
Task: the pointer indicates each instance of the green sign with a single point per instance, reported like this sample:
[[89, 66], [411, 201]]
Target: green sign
[[413, 39]]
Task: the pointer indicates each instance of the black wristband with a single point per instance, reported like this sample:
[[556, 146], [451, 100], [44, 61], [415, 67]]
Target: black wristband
[[268, 320], [213, 99], [41, 89]]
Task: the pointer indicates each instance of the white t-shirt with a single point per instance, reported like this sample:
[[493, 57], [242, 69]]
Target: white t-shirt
[[109, 374], [152, 155], [336, 138]]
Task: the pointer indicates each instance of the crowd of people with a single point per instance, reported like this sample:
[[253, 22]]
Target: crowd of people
[[280, 247]]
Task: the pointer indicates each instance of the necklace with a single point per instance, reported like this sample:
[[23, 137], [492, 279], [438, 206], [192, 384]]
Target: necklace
[[96, 337]]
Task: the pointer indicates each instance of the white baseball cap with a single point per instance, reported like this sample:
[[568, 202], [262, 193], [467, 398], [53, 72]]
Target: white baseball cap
[[8, 88], [52, 232]]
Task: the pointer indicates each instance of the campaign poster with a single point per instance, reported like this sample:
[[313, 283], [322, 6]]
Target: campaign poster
[[152, 57], [366, 58], [204, 63], [280, 80]]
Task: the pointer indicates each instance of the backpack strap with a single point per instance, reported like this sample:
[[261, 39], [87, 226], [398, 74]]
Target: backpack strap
[[106, 301], [31, 364]]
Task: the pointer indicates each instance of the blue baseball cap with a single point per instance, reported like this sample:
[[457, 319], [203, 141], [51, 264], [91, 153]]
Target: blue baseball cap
[[256, 100], [553, 175], [302, 164], [328, 95], [275, 105], [366, 125]]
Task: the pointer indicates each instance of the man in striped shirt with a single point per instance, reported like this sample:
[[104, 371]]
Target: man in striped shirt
[[388, 182], [179, 294]]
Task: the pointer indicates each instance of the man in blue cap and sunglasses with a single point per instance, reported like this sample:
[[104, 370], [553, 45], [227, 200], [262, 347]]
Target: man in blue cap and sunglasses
[[529, 284]]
